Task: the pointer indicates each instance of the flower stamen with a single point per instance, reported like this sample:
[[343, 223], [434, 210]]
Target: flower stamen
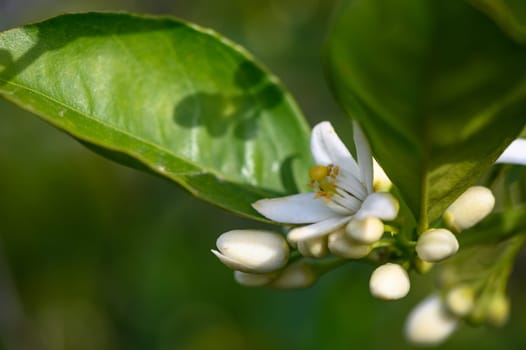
[[324, 178]]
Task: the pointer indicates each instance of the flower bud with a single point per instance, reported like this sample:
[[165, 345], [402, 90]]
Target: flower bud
[[252, 251], [253, 279], [498, 311], [381, 182], [429, 323], [366, 231], [389, 282], [469, 209], [435, 245], [314, 247], [460, 300], [344, 247], [299, 274]]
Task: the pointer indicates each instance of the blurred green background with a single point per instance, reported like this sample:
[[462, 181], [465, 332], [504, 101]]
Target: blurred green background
[[97, 256]]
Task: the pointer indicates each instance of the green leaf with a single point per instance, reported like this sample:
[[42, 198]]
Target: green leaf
[[164, 96], [438, 87], [510, 15]]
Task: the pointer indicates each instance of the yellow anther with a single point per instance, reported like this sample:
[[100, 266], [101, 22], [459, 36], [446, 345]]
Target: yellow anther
[[318, 172], [323, 177]]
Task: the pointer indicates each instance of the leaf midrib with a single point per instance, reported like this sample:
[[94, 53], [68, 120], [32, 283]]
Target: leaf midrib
[[93, 119]]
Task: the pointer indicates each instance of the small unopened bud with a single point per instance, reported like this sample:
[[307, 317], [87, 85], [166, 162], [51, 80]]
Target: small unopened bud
[[381, 182], [498, 311], [389, 282], [314, 247], [460, 300], [252, 251], [366, 231], [253, 279], [435, 245], [469, 209], [429, 323], [299, 274], [344, 247]]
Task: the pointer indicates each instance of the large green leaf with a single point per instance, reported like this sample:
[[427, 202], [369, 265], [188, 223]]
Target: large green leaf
[[439, 88], [165, 96], [510, 15]]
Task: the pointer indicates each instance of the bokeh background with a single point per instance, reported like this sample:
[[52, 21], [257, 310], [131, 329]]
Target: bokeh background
[[94, 255]]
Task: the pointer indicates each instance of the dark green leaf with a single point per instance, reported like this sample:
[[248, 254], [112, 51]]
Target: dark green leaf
[[165, 96], [510, 15], [439, 88]]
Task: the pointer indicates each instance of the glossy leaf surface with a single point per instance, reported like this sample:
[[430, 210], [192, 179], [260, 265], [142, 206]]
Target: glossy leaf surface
[[164, 96], [439, 88]]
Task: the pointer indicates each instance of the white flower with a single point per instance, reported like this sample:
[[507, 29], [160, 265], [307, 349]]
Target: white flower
[[252, 251], [344, 190], [515, 153], [430, 323], [436, 244], [469, 208], [389, 282]]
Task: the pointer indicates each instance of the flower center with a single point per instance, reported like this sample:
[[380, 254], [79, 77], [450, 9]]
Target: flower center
[[323, 179]]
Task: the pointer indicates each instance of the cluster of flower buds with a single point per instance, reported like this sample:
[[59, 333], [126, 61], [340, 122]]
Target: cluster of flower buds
[[438, 244], [261, 258], [438, 316], [435, 318], [343, 218]]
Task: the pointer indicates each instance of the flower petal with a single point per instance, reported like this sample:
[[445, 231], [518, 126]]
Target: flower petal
[[318, 229], [351, 184], [365, 158], [302, 208], [327, 148], [379, 204], [515, 153]]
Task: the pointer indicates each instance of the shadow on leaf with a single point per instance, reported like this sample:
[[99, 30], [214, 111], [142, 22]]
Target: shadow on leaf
[[219, 113]]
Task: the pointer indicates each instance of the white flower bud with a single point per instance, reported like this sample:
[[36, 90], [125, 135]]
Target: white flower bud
[[469, 209], [381, 183], [498, 311], [430, 323], [460, 300], [366, 231], [252, 251], [435, 245], [299, 274], [344, 247], [253, 279], [314, 247], [389, 282]]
